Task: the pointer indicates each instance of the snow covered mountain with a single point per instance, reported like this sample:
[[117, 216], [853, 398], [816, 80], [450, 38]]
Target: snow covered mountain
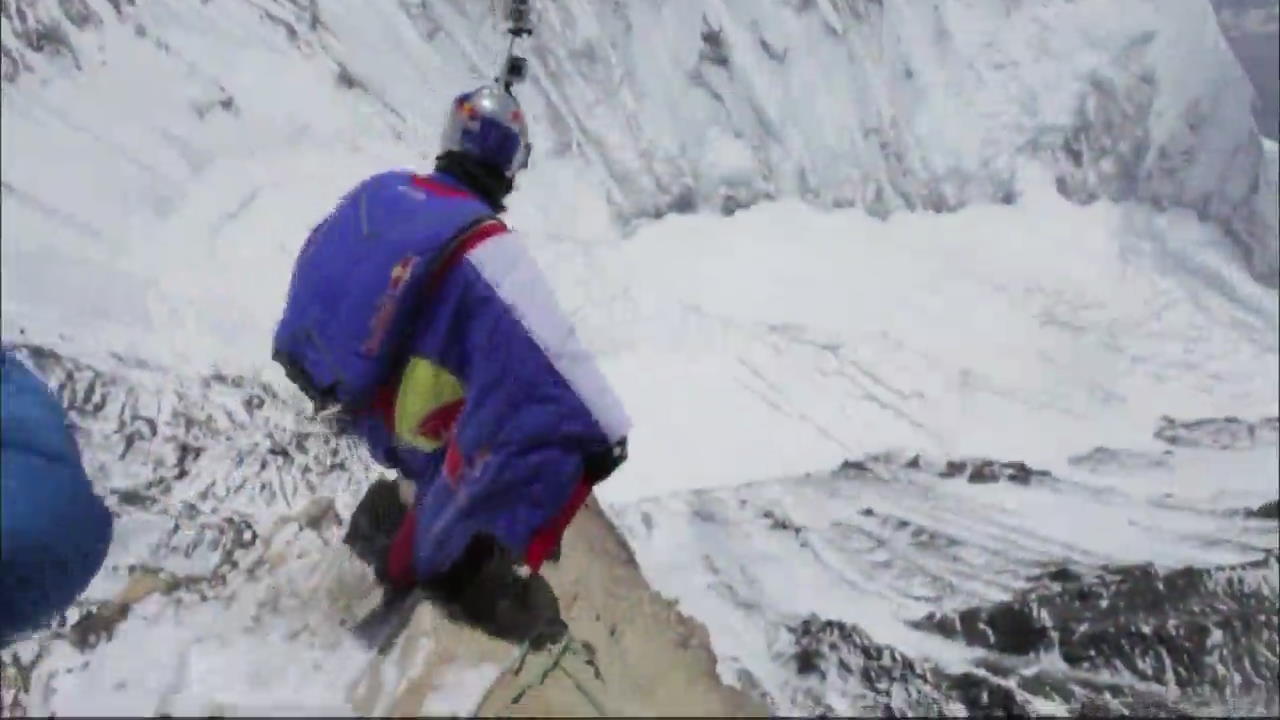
[[672, 106], [981, 232]]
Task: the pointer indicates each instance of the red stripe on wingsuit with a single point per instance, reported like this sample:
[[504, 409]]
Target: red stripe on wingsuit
[[453, 463], [545, 540], [438, 424], [435, 186], [400, 572], [472, 238], [469, 241]]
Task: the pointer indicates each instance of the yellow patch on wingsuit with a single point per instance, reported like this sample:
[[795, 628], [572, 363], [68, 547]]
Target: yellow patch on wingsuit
[[425, 388]]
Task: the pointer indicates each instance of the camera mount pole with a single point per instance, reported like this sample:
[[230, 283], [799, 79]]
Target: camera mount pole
[[515, 67]]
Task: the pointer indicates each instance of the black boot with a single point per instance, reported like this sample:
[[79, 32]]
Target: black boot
[[374, 524], [483, 589]]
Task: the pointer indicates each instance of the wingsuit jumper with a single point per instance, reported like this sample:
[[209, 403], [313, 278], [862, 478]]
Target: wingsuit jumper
[[423, 321], [54, 530]]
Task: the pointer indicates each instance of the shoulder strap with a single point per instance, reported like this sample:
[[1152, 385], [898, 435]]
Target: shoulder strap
[[459, 245]]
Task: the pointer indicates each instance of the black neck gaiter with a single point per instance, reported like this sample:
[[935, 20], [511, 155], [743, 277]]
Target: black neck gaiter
[[486, 181]]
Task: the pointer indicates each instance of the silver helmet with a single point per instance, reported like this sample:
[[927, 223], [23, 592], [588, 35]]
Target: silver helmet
[[488, 125]]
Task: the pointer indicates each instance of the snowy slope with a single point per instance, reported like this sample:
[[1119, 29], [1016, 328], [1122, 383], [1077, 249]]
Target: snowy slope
[[785, 341], [163, 160], [1045, 580], [668, 105]]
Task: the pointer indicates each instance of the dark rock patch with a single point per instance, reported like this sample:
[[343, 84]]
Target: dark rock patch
[[1202, 630], [1269, 510], [1111, 459], [1229, 433], [1208, 632]]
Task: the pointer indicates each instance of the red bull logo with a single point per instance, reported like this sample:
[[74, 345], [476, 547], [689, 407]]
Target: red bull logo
[[470, 115], [400, 273], [378, 326]]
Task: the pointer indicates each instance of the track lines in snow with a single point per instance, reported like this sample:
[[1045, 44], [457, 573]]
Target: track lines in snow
[[841, 364], [890, 570], [874, 399], [782, 365], [780, 403], [229, 217], [52, 212], [46, 112], [770, 395], [838, 352], [973, 572], [1205, 536], [980, 527], [967, 566], [889, 552], [925, 501]]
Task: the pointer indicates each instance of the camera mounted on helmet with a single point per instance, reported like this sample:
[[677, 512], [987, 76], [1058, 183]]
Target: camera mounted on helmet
[[486, 136], [515, 68], [520, 17]]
